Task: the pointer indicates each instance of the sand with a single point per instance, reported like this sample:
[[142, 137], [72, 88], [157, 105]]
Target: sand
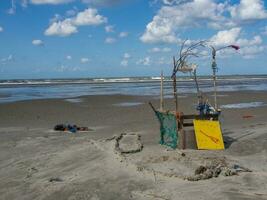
[[39, 163]]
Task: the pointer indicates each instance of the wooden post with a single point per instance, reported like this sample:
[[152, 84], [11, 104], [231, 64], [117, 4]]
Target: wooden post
[[161, 92], [175, 87], [214, 68], [180, 129]]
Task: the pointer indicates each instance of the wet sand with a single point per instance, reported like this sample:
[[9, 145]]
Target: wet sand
[[39, 163]]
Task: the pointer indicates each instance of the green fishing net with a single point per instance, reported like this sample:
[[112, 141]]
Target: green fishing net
[[168, 129]]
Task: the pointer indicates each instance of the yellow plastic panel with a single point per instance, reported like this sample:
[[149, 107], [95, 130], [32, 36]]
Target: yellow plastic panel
[[208, 134]]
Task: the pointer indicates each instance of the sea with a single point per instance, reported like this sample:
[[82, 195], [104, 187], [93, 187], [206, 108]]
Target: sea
[[29, 89]]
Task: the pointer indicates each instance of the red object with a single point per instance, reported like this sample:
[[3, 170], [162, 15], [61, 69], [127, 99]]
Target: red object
[[235, 47], [247, 116]]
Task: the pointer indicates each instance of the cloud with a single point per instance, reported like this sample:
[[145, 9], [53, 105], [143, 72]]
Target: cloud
[[249, 10], [55, 2], [249, 52], [249, 48], [109, 29], [64, 68], [85, 60], [12, 10], [157, 49], [110, 40], [226, 37], [172, 2], [146, 61], [124, 63], [264, 32], [68, 57], [37, 42], [1, 29], [125, 60], [103, 2], [61, 28], [89, 16], [126, 56], [123, 34], [174, 16], [170, 19], [24, 3], [7, 59], [69, 26], [164, 61], [71, 12]]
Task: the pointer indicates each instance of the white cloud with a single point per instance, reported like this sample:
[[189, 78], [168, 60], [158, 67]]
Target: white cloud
[[110, 40], [257, 40], [249, 10], [50, 1], [69, 25], [24, 3], [12, 10], [109, 29], [170, 19], [68, 57], [249, 48], [7, 59], [264, 32], [71, 12], [164, 61], [124, 62], [157, 49], [123, 34], [249, 52], [89, 16], [1, 29], [56, 18], [61, 28], [166, 49], [85, 60], [126, 56], [102, 2], [176, 15], [226, 37], [154, 50], [172, 2], [146, 61], [37, 42], [64, 68]]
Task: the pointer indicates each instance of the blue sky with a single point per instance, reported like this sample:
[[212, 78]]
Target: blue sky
[[100, 38]]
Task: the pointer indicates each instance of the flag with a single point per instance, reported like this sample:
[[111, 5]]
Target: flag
[[235, 47]]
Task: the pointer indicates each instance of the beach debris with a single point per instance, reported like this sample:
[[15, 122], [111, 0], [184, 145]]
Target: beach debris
[[128, 143], [71, 128], [247, 116], [55, 179], [216, 169]]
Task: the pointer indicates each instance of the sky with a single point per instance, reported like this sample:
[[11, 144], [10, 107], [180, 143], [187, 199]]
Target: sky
[[116, 38]]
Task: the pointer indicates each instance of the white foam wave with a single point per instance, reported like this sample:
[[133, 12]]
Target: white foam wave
[[243, 105]]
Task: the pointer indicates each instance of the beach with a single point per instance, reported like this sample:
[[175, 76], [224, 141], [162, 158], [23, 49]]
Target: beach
[[40, 163]]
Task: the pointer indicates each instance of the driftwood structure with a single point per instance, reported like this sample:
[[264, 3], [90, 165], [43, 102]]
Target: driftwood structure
[[173, 123]]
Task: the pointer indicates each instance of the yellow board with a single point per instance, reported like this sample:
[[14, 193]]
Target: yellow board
[[208, 134]]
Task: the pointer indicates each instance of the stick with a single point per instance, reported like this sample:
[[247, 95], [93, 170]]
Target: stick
[[214, 68], [161, 92], [175, 88]]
